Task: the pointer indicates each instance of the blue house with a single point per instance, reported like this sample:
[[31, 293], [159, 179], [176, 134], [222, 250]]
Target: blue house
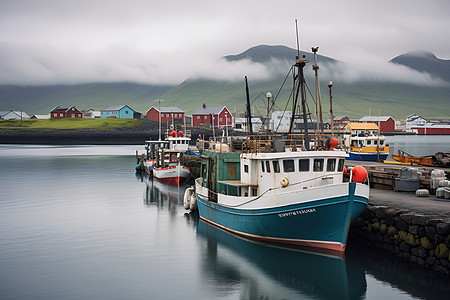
[[117, 111]]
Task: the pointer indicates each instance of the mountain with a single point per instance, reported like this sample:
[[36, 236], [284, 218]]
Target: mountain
[[351, 99], [425, 61], [263, 54]]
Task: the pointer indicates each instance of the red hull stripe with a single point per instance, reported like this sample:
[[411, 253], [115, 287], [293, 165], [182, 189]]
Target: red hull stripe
[[330, 248], [172, 180]]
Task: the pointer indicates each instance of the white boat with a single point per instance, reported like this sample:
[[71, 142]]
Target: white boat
[[163, 159]]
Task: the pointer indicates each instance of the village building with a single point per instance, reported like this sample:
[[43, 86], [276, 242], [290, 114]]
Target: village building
[[65, 113], [118, 111], [361, 128], [240, 124], [419, 125], [92, 114], [40, 117], [168, 114], [13, 115], [386, 123], [205, 116]]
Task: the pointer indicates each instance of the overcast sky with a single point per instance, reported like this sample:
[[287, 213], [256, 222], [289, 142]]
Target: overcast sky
[[156, 42]]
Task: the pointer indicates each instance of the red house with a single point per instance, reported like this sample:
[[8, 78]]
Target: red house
[[204, 116], [65, 113], [167, 114], [387, 124]]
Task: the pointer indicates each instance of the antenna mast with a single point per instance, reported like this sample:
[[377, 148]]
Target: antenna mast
[[298, 42], [249, 114]]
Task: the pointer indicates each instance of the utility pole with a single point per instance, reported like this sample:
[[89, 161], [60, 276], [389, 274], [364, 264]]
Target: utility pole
[[159, 114], [330, 84]]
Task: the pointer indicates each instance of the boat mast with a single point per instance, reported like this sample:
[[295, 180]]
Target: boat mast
[[249, 115], [318, 100], [300, 88], [299, 83]]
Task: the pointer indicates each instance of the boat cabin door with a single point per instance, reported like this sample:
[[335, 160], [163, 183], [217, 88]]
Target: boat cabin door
[[212, 179]]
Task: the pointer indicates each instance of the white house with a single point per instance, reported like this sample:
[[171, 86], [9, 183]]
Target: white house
[[240, 124], [415, 121], [281, 121], [13, 115]]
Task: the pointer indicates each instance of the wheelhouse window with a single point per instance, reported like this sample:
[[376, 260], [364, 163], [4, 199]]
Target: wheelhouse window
[[318, 164], [288, 165], [341, 165], [369, 142], [262, 167], [303, 165], [276, 166], [268, 166], [246, 168], [331, 164], [381, 142]]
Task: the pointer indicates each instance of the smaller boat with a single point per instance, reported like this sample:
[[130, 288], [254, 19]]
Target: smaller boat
[[366, 146], [163, 162], [170, 169], [439, 159]]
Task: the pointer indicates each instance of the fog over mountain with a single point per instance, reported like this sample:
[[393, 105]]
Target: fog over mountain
[[417, 81]]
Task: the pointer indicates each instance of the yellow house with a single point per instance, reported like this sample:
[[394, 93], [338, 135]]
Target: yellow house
[[357, 128]]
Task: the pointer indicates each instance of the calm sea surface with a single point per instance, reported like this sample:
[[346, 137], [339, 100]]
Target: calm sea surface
[[77, 223]]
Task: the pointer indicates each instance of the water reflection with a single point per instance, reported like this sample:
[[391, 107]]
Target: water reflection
[[399, 274], [257, 271], [162, 195], [233, 267]]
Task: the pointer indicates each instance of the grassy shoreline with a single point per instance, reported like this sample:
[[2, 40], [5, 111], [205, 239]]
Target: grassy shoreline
[[73, 123], [85, 132]]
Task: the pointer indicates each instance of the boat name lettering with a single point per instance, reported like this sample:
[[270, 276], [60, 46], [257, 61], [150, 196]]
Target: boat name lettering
[[297, 212]]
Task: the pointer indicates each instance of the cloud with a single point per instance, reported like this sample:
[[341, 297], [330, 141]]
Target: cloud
[[51, 42], [378, 71], [46, 65]]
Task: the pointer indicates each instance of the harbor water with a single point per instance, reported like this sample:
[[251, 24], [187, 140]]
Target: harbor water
[[76, 222]]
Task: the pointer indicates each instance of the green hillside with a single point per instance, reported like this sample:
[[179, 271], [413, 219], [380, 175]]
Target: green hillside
[[353, 100], [41, 99]]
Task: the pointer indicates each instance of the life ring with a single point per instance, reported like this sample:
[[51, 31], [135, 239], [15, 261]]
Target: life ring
[[284, 182]]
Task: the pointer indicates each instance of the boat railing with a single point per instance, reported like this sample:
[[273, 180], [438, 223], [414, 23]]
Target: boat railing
[[264, 143]]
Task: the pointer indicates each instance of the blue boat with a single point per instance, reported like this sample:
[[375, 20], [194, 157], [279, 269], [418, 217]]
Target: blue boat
[[294, 197], [367, 156], [364, 143]]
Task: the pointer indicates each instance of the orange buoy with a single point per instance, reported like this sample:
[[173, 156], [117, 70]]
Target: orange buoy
[[334, 143], [173, 133], [180, 133], [359, 174]]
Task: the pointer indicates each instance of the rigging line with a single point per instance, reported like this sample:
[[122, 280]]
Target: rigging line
[[287, 103], [289, 99], [282, 85], [279, 91]]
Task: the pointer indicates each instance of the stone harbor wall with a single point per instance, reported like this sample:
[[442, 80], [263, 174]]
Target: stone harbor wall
[[420, 239]]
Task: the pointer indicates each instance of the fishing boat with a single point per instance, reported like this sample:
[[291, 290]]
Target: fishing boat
[[170, 169], [364, 144], [278, 189], [164, 159]]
